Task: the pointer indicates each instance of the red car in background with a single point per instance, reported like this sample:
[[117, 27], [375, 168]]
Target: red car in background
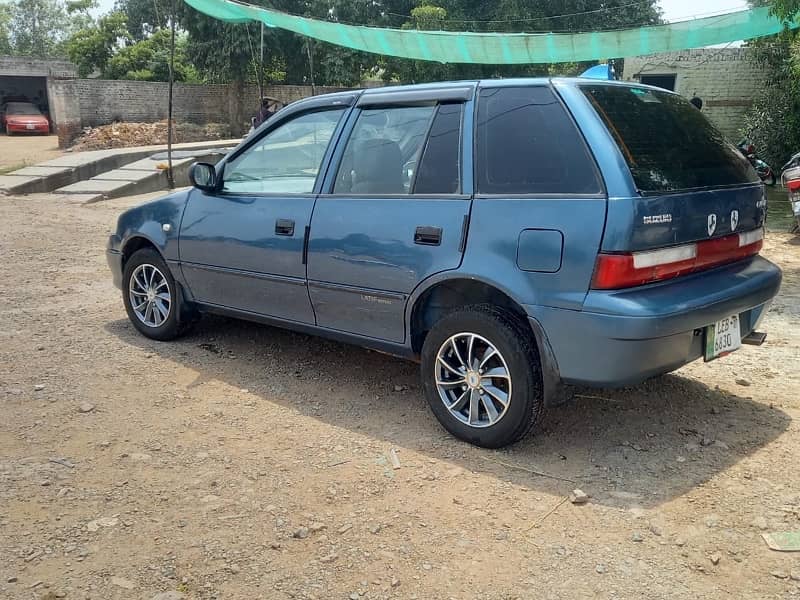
[[23, 117]]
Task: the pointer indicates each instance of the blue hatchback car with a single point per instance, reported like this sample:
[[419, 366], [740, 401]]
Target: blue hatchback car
[[512, 235]]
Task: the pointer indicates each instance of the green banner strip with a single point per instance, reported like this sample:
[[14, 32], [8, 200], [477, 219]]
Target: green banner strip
[[509, 48]]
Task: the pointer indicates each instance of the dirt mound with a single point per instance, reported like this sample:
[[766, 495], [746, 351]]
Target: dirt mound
[[125, 135]]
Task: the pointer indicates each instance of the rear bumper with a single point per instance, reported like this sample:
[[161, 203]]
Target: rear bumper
[[626, 336], [16, 128]]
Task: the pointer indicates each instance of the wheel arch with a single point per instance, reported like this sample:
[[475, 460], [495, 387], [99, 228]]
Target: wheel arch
[[135, 243], [449, 291], [441, 294]]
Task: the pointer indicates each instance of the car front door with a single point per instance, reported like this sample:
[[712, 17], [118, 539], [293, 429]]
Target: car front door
[[242, 247], [394, 211]]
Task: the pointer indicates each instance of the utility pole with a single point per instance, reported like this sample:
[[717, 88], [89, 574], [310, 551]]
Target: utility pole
[[261, 69], [170, 174], [311, 66]]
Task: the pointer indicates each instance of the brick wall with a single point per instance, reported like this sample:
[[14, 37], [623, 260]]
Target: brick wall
[[82, 103], [102, 102], [24, 66], [725, 78]]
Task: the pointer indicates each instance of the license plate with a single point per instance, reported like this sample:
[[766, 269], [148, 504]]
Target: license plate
[[796, 207], [30, 126], [723, 337]]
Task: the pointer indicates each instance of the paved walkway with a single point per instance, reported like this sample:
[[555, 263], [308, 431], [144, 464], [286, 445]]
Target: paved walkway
[[70, 169]]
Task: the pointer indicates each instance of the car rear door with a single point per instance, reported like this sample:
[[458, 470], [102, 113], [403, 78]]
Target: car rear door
[[242, 247], [687, 183], [393, 211]]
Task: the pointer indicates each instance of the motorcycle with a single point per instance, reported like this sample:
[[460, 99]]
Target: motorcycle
[[790, 177], [764, 171]]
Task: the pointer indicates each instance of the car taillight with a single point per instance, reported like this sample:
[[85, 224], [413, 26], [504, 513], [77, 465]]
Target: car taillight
[[615, 271]]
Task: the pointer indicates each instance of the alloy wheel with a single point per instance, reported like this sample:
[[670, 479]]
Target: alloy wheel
[[473, 380], [149, 295]]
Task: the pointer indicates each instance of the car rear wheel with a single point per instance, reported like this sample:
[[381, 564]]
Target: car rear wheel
[[153, 300], [481, 376]]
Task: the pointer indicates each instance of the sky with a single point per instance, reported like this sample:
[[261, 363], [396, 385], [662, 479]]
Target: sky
[[674, 10]]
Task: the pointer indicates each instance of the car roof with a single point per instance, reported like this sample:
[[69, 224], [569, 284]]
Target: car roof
[[12, 105], [483, 83]]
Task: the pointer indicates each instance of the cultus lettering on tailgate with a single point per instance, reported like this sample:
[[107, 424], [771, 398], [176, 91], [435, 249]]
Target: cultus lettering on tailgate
[[656, 219]]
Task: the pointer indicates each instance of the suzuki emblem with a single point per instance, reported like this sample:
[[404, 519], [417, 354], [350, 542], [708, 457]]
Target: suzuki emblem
[[712, 223], [734, 219]]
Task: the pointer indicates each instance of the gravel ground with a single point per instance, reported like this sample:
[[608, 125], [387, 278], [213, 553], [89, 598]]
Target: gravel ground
[[19, 151], [244, 461]]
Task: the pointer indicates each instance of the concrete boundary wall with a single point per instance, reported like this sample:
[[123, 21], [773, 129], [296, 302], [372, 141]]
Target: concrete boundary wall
[[26, 66], [79, 103]]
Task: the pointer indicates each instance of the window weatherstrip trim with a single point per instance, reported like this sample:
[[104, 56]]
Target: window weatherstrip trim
[[547, 196], [411, 97]]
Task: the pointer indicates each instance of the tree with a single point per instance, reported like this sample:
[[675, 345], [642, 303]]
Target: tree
[[38, 27], [79, 15], [5, 29], [773, 122], [92, 48], [785, 9], [148, 60], [147, 16]]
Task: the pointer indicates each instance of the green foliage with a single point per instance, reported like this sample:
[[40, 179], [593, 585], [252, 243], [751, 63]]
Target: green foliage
[[147, 16], [38, 27], [785, 9], [148, 60], [5, 29], [223, 52], [773, 123], [78, 15], [92, 48]]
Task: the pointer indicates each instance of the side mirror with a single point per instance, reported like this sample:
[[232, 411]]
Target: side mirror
[[203, 176]]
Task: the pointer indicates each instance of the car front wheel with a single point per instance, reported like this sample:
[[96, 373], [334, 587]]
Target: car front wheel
[[152, 298], [481, 375]]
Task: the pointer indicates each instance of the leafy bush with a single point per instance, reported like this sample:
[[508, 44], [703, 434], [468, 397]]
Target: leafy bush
[[773, 123]]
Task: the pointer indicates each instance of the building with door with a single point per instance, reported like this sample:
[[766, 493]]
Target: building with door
[[26, 79], [726, 79]]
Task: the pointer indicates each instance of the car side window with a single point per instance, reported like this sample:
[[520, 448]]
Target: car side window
[[528, 144], [440, 168], [382, 153], [287, 159]]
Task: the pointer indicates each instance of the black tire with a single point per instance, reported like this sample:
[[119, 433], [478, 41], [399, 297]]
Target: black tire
[[180, 314], [517, 347]]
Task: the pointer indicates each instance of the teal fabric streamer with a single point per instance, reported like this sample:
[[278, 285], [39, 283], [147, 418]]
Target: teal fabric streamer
[[509, 48]]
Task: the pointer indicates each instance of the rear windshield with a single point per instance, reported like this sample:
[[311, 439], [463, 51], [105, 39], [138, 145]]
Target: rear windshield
[[20, 108], [668, 144]]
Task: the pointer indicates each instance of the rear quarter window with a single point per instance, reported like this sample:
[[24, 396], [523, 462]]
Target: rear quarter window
[[439, 171], [527, 143], [668, 144]]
